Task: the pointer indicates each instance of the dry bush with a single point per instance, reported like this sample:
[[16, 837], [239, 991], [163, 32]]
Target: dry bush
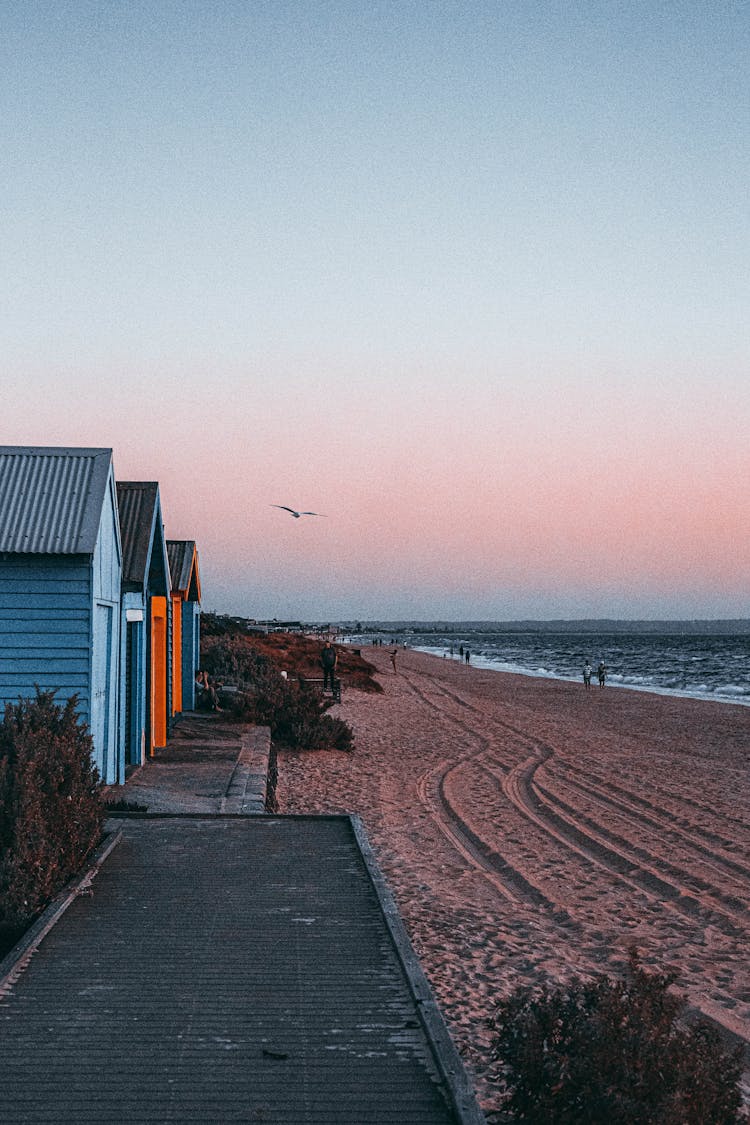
[[51, 812], [295, 712], [613, 1052]]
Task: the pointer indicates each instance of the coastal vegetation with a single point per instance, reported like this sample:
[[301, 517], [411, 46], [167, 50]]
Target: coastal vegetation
[[51, 811], [289, 703], [297, 654], [613, 1050]]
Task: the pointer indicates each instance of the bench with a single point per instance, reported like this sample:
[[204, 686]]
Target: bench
[[317, 682]]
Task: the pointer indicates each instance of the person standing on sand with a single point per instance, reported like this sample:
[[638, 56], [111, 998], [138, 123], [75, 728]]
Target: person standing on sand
[[587, 675], [602, 673], [329, 659], [467, 655], [393, 658]]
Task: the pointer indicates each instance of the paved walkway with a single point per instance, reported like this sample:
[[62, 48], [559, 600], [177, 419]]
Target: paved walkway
[[209, 766], [224, 969], [227, 968]]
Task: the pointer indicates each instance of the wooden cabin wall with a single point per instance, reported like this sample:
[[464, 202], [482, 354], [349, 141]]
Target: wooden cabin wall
[[104, 711], [45, 627], [133, 678], [159, 672], [176, 648], [190, 652]]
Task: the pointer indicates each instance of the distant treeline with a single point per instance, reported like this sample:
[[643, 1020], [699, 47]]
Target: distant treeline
[[586, 625]]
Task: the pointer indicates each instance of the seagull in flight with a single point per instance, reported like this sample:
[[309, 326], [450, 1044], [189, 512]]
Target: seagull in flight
[[295, 514]]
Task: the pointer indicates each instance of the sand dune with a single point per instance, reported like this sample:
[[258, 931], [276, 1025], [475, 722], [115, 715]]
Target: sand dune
[[529, 828]]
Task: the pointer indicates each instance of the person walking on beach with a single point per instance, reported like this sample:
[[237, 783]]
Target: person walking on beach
[[467, 655], [602, 673], [587, 675], [329, 659], [393, 658]]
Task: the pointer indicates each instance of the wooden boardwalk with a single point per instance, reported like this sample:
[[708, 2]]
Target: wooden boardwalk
[[229, 969]]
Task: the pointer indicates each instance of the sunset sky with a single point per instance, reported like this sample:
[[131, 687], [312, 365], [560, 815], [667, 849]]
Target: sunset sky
[[471, 278]]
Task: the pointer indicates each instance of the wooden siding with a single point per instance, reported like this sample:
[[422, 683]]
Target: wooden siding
[[145, 574], [45, 627], [107, 564], [133, 679], [59, 610], [104, 711], [176, 646], [170, 624], [159, 673], [190, 652]]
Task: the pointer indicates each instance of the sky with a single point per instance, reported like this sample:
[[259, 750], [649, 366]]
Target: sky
[[470, 279]]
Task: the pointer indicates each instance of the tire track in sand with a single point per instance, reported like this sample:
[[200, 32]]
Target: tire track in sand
[[663, 882], [509, 880], [569, 827], [712, 846], [624, 860], [665, 829]]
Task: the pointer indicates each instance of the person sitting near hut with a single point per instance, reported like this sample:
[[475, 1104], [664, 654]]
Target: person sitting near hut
[[329, 659], [206, 695]]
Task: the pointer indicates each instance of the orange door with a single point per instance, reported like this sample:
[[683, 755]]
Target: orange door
[[176, 653], [159, 668]]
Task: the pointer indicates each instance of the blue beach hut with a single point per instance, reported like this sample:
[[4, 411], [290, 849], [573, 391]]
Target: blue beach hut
[[145, 657], [60, 573], [186, 607]]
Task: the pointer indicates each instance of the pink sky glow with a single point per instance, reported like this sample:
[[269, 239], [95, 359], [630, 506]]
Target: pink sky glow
[[469, 279]]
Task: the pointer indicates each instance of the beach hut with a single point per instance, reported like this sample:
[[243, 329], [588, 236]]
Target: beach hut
[[60, 572], [145, 629], [186, 599]]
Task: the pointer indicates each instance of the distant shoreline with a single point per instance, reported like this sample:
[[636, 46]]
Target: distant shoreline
[[687, 627]]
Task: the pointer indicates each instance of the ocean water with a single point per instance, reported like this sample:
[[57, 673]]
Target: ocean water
[[701, 666]]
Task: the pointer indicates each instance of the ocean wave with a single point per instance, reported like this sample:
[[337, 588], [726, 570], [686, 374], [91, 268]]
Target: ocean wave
[[658, 683]]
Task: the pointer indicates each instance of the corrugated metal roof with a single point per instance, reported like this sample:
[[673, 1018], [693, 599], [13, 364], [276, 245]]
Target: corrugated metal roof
[[137, 503], [51, 499], [183, 566]]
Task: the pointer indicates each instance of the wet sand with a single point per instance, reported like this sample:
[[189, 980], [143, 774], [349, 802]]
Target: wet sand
[[530, 829]]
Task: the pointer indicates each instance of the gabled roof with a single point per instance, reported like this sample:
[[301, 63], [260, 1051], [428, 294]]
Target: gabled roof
[[142, 534], [51, 499], [183, 566]]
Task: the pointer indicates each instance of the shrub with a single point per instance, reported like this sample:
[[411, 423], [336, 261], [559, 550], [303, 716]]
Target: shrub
[[296, 713], [611, 1051], [226, 659], [335, 734], [51, 812]]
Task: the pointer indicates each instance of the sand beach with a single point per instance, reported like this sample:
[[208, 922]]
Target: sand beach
[[530, 829]]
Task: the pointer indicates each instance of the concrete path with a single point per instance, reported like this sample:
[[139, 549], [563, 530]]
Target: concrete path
[[225, 965], [209, 766], [227, 969]]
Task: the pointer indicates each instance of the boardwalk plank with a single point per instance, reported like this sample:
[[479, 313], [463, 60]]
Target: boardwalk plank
[[223, 970]]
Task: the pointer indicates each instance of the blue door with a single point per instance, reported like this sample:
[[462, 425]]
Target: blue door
[[101, 687]]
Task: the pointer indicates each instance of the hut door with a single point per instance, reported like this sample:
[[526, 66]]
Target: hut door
[[176, 655], [101, 688], [159, 672], [133, 699]]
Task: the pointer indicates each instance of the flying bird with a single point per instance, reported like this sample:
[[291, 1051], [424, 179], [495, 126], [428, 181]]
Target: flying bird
[[295, 514]]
